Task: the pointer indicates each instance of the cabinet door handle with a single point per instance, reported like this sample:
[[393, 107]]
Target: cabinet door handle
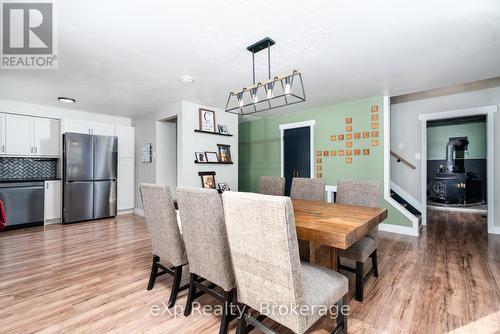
[[47, 186], [36, 149], [3, 148], [31, 149]]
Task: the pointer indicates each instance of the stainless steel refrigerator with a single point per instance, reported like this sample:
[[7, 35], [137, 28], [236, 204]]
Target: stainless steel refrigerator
[[89, 174]]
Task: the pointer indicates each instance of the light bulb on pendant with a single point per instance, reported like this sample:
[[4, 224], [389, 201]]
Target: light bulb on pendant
[[269, 94], [240, 99], [288, 85], [253, 92]]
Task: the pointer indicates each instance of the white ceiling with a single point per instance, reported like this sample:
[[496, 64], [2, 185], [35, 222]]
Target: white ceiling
[[126, 57]]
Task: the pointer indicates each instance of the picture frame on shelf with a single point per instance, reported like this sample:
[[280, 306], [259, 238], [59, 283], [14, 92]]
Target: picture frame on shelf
[[212, 156], [200, 157], [207, 180], [222, 129], [223, 186], [224, 152], [207, 120]]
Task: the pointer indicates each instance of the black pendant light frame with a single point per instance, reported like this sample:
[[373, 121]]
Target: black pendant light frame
[[278, 91]]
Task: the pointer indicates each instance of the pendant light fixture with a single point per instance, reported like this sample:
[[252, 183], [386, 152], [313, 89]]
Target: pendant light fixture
[[270, 94]]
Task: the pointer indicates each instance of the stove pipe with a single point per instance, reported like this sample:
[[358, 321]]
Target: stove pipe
[[450, 148]]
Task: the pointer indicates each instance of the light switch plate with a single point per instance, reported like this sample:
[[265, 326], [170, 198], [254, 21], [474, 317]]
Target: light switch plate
[[417, 156], [401, 146]]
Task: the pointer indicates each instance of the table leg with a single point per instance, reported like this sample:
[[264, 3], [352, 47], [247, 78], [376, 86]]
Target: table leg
[[333, 259], [323, 255]]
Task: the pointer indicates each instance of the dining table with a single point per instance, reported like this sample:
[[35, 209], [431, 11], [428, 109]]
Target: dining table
[[324, 228]]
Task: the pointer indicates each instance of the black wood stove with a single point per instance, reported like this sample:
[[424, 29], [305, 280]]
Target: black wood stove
[[449, 184]]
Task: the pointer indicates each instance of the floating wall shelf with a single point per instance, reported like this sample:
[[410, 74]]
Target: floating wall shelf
[[214, 133], [214, 163]]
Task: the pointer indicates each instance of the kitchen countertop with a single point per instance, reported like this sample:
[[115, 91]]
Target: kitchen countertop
[[29, 180]]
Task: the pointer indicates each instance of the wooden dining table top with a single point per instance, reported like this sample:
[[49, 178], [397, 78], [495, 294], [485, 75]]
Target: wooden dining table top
[[332, 224]]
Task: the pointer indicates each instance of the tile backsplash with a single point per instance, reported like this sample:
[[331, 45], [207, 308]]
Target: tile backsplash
[[27, 168]]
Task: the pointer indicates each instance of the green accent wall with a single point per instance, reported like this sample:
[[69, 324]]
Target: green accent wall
[[438, 137], [260, 153]]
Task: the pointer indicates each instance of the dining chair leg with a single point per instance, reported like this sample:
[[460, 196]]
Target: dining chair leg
[[359, 281], [154, 272], [175, 286], [341, 319], [191, 294], [241, 327], [374, 263], [226, 315]]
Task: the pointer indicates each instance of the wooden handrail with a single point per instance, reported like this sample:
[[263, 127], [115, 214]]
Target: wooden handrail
[[403, 160]]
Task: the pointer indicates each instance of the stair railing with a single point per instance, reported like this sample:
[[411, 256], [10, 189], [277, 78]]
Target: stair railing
[[403, 160]]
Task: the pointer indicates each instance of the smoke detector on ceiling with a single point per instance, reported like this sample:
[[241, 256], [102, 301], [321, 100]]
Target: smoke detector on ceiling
[[186, 79]]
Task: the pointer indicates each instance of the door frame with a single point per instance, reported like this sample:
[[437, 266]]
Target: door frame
[[489, 111], [304, 124]]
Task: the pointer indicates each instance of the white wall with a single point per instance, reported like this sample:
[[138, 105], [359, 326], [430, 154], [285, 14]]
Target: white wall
[[166, 153], [405, 129], [188, 142], [200, 142], [145, 132], [60, 113]]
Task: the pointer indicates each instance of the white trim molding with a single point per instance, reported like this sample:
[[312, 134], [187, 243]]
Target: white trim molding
[[330, 193], [408, 230], [139, 212], [295, 125], [489, 111], [407, 197]]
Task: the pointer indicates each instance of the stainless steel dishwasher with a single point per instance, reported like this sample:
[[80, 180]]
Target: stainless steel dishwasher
[[23, 203]]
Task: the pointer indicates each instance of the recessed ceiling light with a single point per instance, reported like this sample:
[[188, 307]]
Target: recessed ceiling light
[[66, 99], [187, 79]]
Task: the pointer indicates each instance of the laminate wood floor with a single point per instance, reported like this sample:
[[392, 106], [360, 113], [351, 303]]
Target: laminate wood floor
[[91, 278]]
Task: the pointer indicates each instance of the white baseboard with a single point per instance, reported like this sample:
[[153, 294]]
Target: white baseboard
[[495, 230], [407, 230], [139, 212], [53, 221], [124, 212]]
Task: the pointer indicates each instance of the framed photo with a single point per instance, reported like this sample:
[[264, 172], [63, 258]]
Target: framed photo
[[147, 150], [222, 129], [224, 153], [207, 120], [200, 156], [207, 179], [212, 156], [223, 186]]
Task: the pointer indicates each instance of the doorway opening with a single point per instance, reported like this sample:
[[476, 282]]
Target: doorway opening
[[166, 152], [297, 151], [457, 164]]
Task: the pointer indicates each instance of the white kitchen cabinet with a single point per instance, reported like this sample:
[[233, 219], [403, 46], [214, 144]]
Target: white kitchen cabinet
[[125, 186], [126, 141], [46, 137], [90, 128], [52, 209], [2, 134], [19, 135], [103, 129], [76, 126]]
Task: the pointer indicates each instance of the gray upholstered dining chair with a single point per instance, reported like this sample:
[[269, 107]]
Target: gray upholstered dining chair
[[204, 232], [360, 193], [308, 189], [272, 185], [267, 268], [166, 238]]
